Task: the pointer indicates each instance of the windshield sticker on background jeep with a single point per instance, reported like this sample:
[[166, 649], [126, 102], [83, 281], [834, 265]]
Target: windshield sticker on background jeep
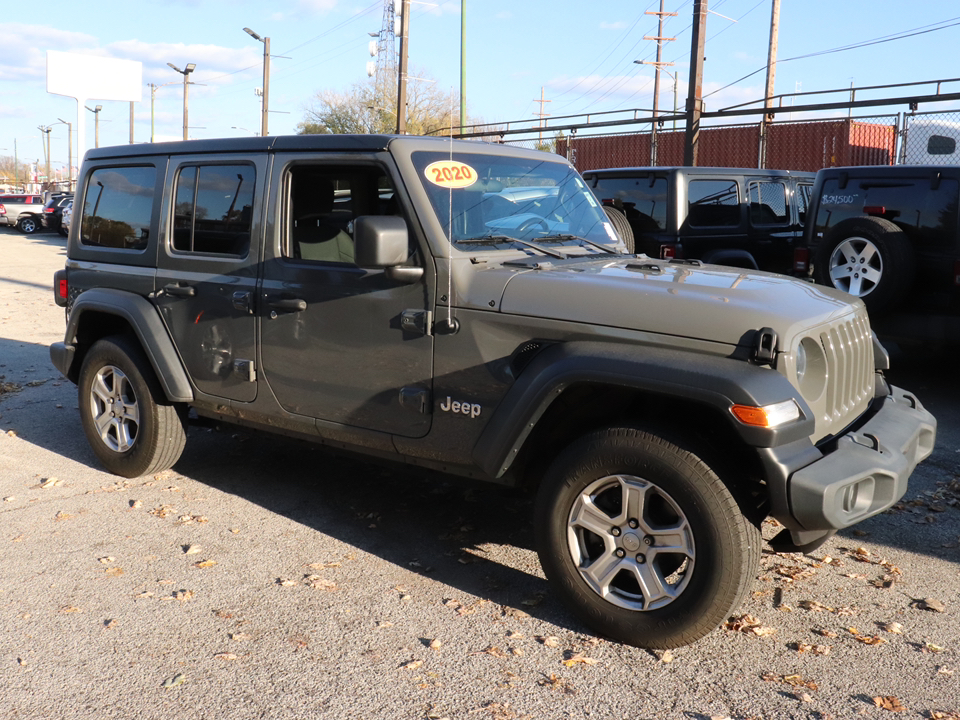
[[450, 174], [461, 408], [839, 199]]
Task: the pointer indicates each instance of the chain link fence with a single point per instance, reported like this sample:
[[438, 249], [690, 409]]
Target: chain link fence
[[931, 139]]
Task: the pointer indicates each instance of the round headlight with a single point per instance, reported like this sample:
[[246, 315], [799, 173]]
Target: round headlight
[[811, 368]]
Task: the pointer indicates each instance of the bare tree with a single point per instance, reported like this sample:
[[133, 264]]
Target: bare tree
[[10, 171], [362, 111]]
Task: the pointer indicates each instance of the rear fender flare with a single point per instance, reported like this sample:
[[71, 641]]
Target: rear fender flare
[[145, 321]]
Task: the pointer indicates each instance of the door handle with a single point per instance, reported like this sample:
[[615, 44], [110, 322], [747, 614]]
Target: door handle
[[178, 290], [288, 304]]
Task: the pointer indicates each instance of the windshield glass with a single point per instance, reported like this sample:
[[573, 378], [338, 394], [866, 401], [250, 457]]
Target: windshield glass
[[477, 196]]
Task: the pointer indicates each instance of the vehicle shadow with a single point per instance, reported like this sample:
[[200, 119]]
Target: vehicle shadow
[[475, 537]]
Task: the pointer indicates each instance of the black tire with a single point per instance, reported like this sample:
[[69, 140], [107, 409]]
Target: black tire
[[703, 579], [622, 226], [868, 257], [28, 225], [149, 434]]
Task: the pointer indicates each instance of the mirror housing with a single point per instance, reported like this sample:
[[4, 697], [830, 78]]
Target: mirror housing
[[380, 241]]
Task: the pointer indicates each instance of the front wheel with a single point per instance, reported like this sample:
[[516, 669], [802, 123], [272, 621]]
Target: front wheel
[[642, 540], [131, 427]]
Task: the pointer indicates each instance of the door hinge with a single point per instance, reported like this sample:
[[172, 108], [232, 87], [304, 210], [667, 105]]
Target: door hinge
[[417, 322], [245, 369], [416, 399]]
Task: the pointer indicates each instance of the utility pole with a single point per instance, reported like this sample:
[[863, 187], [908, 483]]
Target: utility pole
[[402, 79], [657, 64], [695, 90], [771, 78], [541, 114]]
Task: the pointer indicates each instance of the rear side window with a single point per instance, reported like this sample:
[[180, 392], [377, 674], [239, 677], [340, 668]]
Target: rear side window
[[916, 205], [643, 200], [213, 209], [713, 203], [768, 203], [117, 207], [941, 145]]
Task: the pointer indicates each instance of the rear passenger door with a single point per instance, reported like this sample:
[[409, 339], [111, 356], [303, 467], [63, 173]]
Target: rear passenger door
[[207, 268]]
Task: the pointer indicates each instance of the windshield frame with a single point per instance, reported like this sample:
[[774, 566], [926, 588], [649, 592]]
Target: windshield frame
[[413, 156]]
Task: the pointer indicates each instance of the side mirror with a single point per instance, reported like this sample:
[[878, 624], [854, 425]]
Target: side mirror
[[382, 241]]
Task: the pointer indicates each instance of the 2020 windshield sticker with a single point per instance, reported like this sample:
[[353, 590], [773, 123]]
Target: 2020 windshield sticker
[[450, 174]]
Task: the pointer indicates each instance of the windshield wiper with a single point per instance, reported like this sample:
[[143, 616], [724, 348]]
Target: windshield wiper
[[497, 239], [593, 243]]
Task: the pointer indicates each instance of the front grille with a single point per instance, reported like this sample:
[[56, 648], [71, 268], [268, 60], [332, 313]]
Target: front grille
[[849, 349]]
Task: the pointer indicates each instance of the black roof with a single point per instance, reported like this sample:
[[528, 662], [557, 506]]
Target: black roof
[[273, 143], [626, 171]]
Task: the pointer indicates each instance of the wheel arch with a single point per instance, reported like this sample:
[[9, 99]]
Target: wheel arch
[[733, 257], [569, 389], [101, 312]]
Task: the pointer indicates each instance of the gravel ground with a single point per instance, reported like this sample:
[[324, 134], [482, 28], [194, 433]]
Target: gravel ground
[[266, 578]]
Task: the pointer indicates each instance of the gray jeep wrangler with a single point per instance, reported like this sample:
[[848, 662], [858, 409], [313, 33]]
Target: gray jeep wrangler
[[469, 308]]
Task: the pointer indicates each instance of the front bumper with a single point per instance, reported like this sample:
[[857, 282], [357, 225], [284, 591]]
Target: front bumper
[[863, 475]]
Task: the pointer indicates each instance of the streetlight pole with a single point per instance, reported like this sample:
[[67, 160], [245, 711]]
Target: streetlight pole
[[266, 79], [69, 151], [96, 123], [463, 66], [185, 72], [45, 129]]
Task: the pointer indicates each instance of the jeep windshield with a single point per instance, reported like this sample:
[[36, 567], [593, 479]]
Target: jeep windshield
[[492, 200]]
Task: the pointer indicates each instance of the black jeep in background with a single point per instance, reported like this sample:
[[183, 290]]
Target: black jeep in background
[[889, 235], [749, 218]]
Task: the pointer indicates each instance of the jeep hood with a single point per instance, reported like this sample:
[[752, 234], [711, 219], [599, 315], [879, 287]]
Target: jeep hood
[[709, 302]]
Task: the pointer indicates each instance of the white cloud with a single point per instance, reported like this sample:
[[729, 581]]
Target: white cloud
[[505, 15], [617, 25]]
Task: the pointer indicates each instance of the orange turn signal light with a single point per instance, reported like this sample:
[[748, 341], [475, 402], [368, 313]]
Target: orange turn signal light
[[767, 416]]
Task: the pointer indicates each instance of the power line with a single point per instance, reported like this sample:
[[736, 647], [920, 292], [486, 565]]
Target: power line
[[922, 30]]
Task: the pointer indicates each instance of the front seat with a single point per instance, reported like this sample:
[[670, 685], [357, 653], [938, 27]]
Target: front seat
[[316, 235]]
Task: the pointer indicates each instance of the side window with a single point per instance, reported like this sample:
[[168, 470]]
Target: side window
[[323, 203], [643, 200], [213, 209], [713, 203], [941, 145], [768, 203], [117, 207], [802, 199]]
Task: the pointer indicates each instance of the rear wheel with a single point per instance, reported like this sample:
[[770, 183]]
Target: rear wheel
[[130, 425], [642, 540], [28, 225]]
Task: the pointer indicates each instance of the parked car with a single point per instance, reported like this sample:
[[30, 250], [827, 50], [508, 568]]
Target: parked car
[[747, 218], [350, 290], [21, 211], [65, 218], [53, 210], [890, 235]]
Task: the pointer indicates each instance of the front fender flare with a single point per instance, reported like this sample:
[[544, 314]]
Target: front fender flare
[[715, 381], [145, 321]]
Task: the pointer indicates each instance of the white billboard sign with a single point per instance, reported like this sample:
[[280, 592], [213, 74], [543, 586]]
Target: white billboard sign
[[89, 77]]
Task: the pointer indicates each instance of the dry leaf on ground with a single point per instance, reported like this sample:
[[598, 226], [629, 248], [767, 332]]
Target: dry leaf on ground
[[890, 702]]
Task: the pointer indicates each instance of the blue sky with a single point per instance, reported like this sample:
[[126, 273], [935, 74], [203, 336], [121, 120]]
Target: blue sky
[[581, 54]]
